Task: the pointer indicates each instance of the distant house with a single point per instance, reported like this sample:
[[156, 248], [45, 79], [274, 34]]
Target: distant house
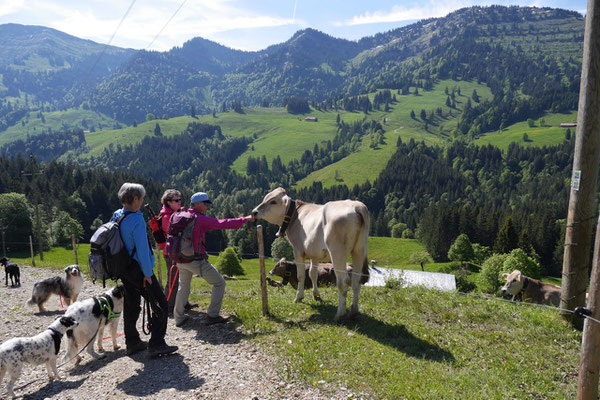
[[568, 125], [311, 119], [86, 131]]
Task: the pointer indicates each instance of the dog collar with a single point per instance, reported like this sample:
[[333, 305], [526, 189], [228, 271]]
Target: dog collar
[[57, 337], [106, 306]]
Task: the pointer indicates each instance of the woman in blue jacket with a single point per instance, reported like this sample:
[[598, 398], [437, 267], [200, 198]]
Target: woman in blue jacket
[[139, 280]]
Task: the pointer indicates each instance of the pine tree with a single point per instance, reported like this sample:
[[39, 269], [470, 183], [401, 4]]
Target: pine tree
[[507, 238]]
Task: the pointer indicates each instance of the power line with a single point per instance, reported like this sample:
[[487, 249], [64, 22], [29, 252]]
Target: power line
[[165, 25], [89, 73]]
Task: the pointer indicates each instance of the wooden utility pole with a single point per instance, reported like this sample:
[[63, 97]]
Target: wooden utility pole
[[587, 382], [32, 174], [582, 201], [263, 274]]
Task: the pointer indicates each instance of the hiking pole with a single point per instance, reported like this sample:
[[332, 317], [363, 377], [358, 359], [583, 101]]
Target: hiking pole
[[153, 217]]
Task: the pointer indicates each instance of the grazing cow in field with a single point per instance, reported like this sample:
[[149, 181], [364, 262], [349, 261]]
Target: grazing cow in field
[[288, 271], [323, 232], [531, 290]]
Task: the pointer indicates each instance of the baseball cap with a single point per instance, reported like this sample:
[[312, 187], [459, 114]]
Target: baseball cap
[[200, 197]]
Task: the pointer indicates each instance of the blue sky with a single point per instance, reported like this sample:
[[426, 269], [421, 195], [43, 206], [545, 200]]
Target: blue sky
[[240, 24]]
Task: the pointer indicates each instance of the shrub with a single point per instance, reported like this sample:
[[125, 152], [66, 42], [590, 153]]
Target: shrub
[[229, 262], [480, 253], [282, 248], [397, 229], [490, 279], [408, 234], [419, 257], [461, 249], [518, 259]]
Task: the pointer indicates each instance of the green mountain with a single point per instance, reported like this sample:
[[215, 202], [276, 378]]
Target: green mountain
[[528, 56]]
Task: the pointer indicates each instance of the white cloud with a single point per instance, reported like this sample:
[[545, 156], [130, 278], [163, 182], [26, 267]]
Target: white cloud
[[98, 19], [8, 7], [430, 9]]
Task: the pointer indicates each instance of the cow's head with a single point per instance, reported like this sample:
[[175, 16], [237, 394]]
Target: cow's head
[[273, 207], [282, 268], [514, 282]]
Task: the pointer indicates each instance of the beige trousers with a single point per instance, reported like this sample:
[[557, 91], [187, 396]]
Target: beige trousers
[[210, 275]]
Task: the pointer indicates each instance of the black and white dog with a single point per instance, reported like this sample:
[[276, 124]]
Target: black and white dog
[[67, 286], [39, 349], [93, 316], [12, 269]]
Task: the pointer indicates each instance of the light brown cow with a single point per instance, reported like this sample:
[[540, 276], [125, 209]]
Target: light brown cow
[[531, 290], [323, 232]]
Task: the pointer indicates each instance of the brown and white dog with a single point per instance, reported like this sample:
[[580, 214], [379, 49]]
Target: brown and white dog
[[67, 286], [531, 290]]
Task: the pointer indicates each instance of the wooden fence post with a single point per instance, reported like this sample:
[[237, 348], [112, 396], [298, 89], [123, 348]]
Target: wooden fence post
[[74, 244], [263, 274], [31, 249]]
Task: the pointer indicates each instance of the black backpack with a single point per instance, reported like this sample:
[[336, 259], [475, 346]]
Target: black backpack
[[109, 258]]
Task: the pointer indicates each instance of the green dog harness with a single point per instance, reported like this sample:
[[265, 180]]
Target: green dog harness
[[106, 308]]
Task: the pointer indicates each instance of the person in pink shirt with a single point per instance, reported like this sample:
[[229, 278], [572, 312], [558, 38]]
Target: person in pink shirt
[[200, 203], [171, 201]]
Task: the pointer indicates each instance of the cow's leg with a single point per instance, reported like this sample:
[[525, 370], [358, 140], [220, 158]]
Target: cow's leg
[[355, 278], [300, 273], [314, 275], [341, 277]]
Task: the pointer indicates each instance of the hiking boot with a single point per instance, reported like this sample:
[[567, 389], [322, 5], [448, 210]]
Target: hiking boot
[[190, 306], [162, 350], [136, 348], [182, 322], [216, 320]]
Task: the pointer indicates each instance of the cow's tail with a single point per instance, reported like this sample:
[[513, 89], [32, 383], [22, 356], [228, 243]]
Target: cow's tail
[[363, 240]]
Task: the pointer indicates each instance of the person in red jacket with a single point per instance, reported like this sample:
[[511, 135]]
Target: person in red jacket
[[200, 203], [171, 201]]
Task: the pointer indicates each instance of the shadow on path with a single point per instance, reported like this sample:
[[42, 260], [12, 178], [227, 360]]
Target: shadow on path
[[153, 377]]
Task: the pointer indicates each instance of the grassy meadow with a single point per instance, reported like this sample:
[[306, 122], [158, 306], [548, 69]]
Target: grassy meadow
[[276, 132], [406, 343], [58, 121], [549, 134]]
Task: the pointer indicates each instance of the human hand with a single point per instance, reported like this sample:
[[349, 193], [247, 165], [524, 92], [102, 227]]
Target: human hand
[[250, 218], [147, 280]]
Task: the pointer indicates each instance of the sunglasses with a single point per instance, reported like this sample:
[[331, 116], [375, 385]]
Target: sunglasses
[[177, 200]]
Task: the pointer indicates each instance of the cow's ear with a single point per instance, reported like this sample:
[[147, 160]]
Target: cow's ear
[[282, 260], [505, 275], [284, 192]]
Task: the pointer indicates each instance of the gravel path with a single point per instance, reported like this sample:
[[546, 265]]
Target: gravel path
[[213, 362]]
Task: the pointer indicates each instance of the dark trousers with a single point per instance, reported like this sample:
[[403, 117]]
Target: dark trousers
[[172, 283], [131, 309]]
